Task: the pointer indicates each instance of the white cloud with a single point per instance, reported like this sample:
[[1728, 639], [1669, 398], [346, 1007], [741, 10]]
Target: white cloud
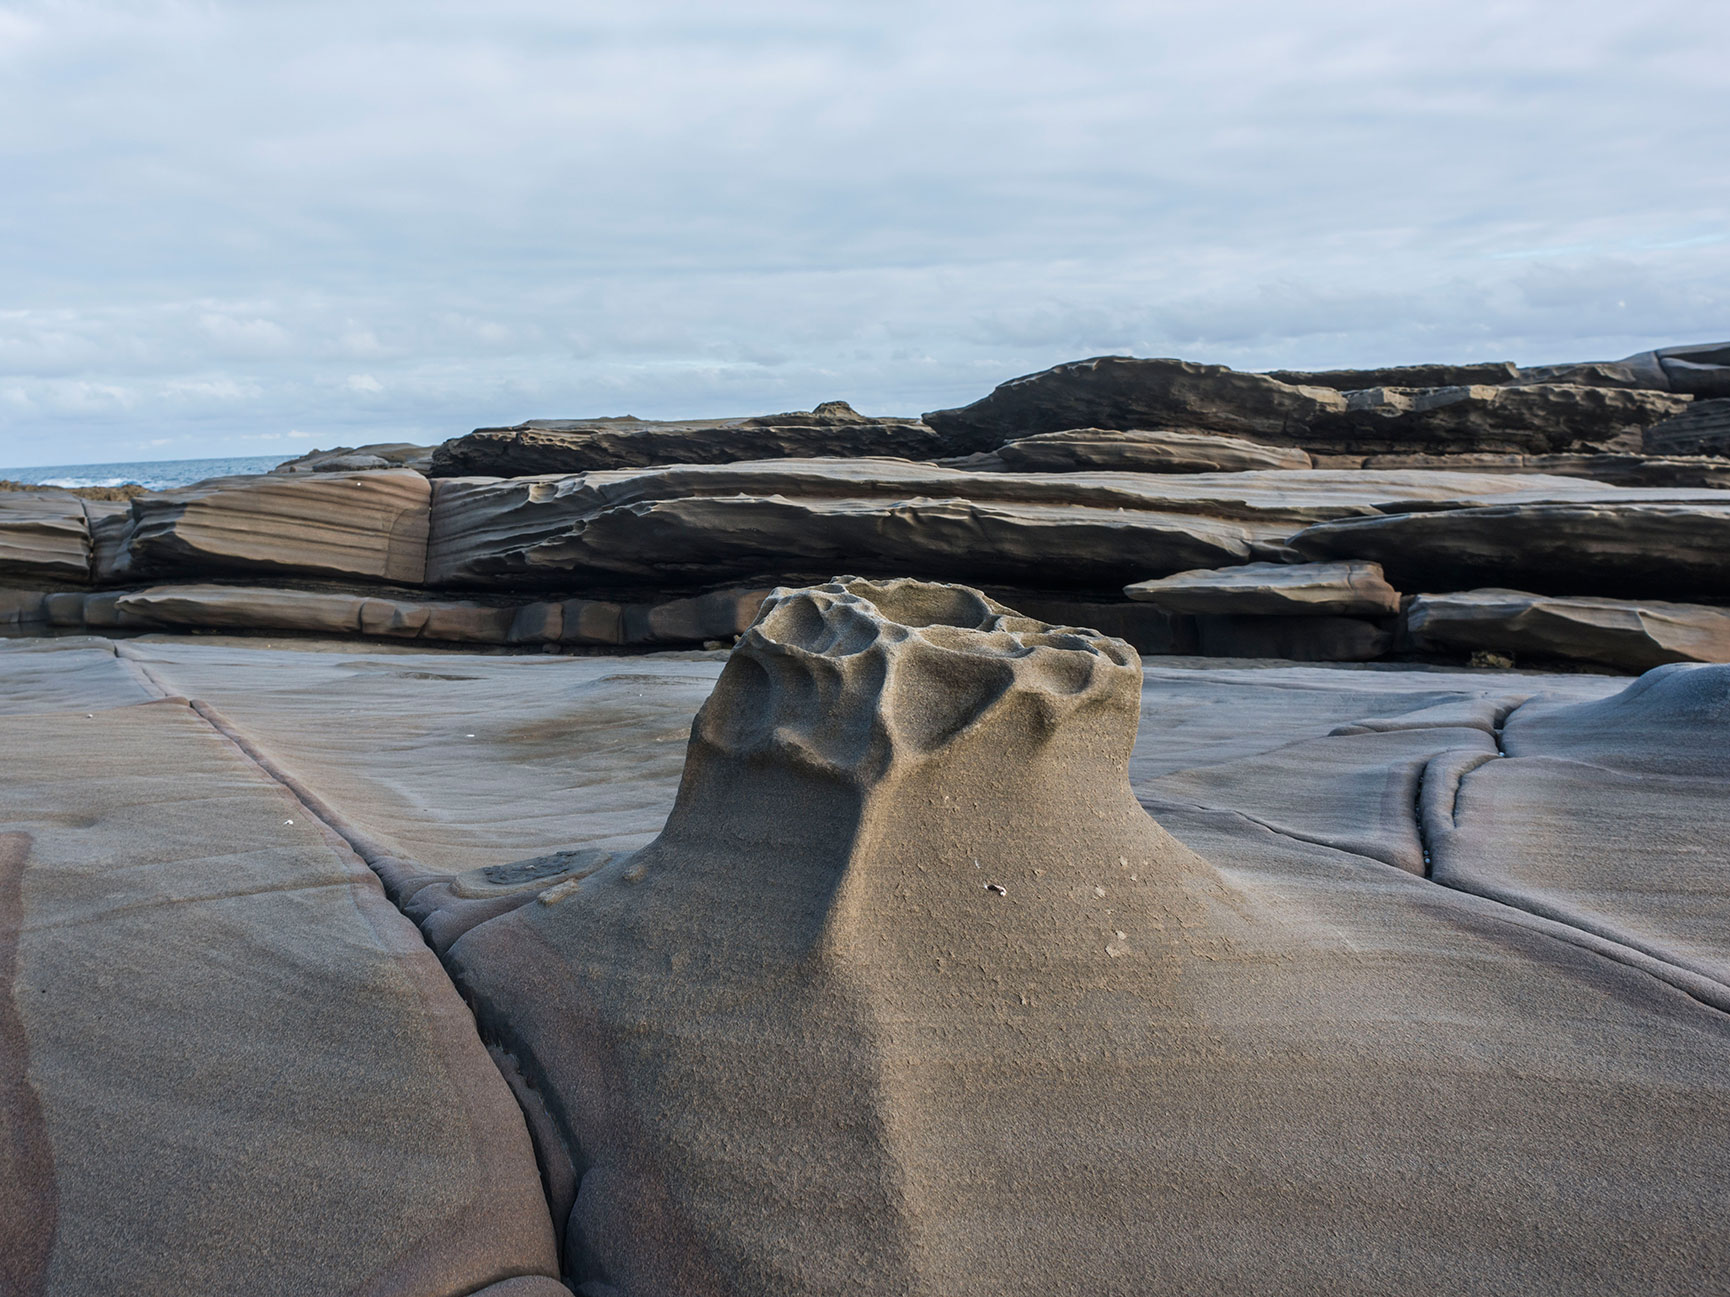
[[387, 221]]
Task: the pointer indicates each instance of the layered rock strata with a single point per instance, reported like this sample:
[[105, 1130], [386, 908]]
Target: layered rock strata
[[227, 1064], [1635, 549], [1275, 589], [578, 446], [790, 518], [1626, 634], [718, 615], [44, 536], [367, 526], [1124, 392], [1165, 450]]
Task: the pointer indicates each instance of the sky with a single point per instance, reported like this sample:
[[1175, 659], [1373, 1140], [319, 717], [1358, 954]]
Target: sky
[[250, 228]]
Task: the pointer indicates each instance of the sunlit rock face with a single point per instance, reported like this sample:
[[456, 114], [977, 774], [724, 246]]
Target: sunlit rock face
[[905, 903]]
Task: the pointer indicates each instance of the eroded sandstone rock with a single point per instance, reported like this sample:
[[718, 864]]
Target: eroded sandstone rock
[[787, 519], [1275, 589], [1627, 634], [44, 535], [369, 525], [1165, 450], [906, 831], [581, 446], [1123, 392], [1636, 549]]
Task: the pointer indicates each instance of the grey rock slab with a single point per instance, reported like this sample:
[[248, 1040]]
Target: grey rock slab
[[1613, 470], [1610, 549], [232, 1066], [370, 526], [575, 446], [350, 459], [787, 517], [1302, 589], [1633, 635], [1538, 419], [1165, 450], [1492, 373], [456, 761], [1123, 392], [44, 536], [1702, 429], [1610, 816], [1126, 392]]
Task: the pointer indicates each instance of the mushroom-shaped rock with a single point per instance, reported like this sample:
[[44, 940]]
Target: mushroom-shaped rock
[[906, 928]]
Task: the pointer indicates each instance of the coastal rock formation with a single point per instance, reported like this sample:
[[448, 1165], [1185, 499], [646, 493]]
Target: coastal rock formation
[[1693, 470], [1700, 370], [1608, 816], [1633, 550], [1165, 450], [44, 535], [790, 519], [716, 616], [1702, 429], [904, 820], [1275, 589], [1628, 635], [580, 446], [355, 459], [227, 1063], [1123, 392], [370, 526], [1535, 420], [1491, 373]]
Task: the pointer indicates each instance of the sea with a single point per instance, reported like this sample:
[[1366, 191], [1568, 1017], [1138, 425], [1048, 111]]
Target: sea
[[155, 474]]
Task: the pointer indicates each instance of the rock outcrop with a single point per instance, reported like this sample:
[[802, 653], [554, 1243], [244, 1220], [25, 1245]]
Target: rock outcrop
[[1625, 634], [1122, 392], [718, 615], [44, 536], [227, 1063], [1634, 549], [580, 446], [1165, 450], [1684, 471], [367, 526], [1491, 373], [1702, 429], [356, 459], [904, 820], [1275, 589], [1700, 370], [791, 519]]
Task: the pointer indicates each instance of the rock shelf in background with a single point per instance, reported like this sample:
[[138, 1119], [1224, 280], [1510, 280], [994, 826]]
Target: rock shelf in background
[[1122, 392], [898, 809], [371, 526], [1669, 550], [1626, 634], [44, 536], [1274, 589], [578, 446], [1165, 450]]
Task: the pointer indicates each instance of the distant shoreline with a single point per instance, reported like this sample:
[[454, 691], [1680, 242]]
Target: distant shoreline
[[156, 475]]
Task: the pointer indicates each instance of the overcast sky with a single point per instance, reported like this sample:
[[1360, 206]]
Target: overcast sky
[[245, 228]]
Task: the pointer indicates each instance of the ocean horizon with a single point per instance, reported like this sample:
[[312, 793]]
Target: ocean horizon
[[154, 475]]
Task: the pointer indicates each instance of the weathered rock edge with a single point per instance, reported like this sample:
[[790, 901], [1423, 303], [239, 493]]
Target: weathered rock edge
[[899, 797]]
